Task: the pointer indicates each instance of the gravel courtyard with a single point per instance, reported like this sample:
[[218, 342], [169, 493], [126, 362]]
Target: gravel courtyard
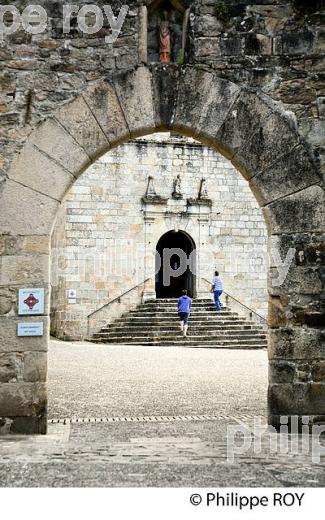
[[87, 380]]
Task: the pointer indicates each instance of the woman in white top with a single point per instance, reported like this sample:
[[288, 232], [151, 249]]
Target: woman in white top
[[217, 290]]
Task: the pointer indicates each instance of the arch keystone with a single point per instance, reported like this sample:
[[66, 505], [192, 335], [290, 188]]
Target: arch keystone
[[165, 80]]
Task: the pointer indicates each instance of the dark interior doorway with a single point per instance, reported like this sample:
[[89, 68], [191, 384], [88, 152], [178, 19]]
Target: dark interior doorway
[[172, 277]]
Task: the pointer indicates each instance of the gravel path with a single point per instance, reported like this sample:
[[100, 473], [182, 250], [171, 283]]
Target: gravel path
[[87, 380]]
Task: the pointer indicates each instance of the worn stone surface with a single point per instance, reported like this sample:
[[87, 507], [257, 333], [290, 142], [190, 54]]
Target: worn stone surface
[[10, 367], [318, 371], [293, 172], [23, 366], [35, 367], [264, 147], [6, 301], [297, 398], [296, 343], [277, 311], [308, 248], [298, 279], [298, 213], [105, 106], [16, 271], [244, 119], [25, 399], [36, 170], [165, 98], [26, 245], [134, 91], [79, 121], [41, 211], [204, 114], [58, 144]]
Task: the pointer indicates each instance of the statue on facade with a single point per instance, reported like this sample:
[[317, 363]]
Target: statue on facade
[[177, 194], [203, 191], [151, 196], [150, 192], [164, 40]]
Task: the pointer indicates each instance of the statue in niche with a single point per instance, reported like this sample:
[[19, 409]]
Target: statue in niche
[[167, 23], [177, 194], [203, 191], [164, 40]]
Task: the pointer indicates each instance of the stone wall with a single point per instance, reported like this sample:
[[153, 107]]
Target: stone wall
[[101, 229], [275, 47]]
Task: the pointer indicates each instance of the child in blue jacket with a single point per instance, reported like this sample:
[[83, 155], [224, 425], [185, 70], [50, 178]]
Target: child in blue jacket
[[184, 306]]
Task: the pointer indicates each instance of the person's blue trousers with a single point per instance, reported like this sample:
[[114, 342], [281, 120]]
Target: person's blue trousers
[[217, 295]]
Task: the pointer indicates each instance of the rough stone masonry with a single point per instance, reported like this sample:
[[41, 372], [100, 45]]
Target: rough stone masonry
[[249, 81]]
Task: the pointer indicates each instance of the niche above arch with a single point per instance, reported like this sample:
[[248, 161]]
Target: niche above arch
[[163, 31]]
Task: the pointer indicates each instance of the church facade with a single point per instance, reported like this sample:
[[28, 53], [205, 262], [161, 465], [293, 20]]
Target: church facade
[[155, 203]]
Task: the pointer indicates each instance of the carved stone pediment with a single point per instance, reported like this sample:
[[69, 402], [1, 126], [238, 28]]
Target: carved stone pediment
[[175, 207]]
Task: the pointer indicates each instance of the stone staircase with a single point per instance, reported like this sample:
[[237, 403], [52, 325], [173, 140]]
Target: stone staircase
[[156, 323]]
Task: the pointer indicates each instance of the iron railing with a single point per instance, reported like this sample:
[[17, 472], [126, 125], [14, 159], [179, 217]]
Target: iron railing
[[114, 300], [118, 298], [241, 304]]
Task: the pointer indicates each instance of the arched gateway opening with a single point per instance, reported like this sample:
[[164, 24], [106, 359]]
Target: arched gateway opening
[[175, 265], [246, 126]]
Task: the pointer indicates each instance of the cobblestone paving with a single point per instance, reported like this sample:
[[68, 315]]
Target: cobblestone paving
[[147, 454], [164, 453]]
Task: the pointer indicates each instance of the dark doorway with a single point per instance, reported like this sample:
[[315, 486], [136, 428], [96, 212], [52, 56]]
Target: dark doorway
[[171, 275]]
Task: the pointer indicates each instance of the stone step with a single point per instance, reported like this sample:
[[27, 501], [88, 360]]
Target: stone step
[[171, 319], [173, 310], [156, 323], [174, 305], [175, 313], [189, 345], [187, 342], [175, 327], [175, 300], [193, 331], [204, 339]]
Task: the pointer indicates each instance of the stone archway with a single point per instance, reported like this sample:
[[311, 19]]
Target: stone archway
[[246, 126]]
